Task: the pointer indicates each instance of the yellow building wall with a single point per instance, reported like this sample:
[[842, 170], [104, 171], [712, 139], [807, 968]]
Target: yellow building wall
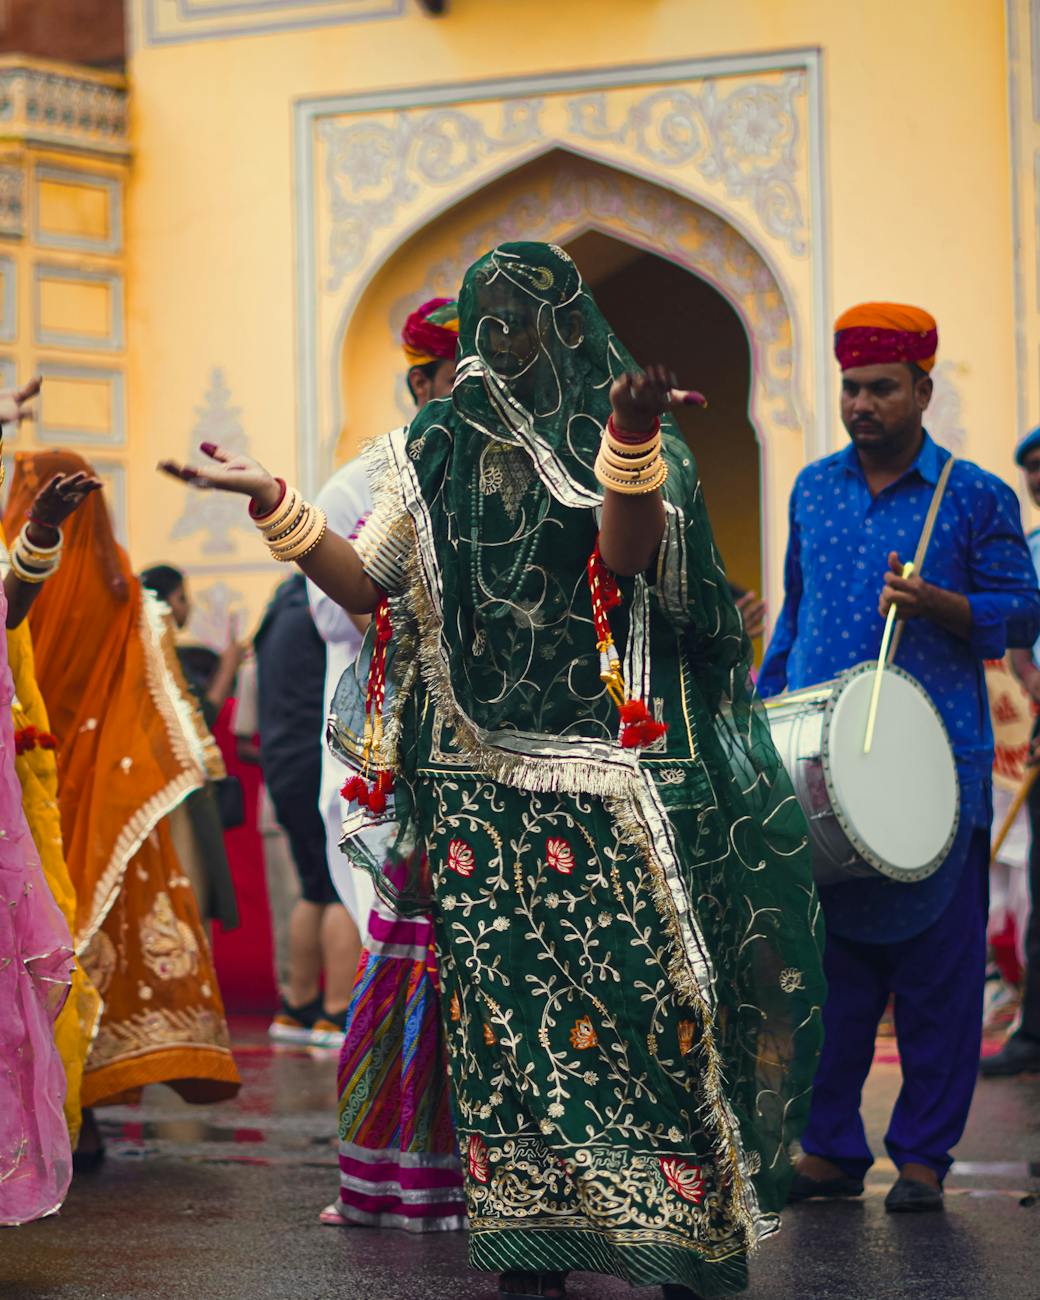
[[227, 329], [64, 157]]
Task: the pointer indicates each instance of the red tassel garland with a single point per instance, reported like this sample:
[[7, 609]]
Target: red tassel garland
[[357, 790], [639, 727]]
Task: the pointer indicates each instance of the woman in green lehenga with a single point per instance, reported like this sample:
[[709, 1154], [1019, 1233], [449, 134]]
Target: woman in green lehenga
[[627, 930]]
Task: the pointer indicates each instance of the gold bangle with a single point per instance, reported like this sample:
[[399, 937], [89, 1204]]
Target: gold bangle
[[629, 464], [305, 539], [632, 448], [646, 481], [30, 574], [285, 510], [627, 474], [292, 530]]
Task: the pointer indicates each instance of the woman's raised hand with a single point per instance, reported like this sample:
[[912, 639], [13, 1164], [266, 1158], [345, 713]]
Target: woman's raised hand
[[14, 403], [62, 495], [639, 399], [228, 473]]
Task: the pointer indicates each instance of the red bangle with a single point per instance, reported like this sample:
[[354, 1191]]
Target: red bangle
[[627, 435], [267, 513], [42, 523]]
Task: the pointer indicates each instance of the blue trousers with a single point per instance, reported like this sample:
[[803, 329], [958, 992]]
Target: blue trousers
[[936, 979]]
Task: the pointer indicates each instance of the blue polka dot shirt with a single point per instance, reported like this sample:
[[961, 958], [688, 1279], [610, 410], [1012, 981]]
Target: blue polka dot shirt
[[837, 557]]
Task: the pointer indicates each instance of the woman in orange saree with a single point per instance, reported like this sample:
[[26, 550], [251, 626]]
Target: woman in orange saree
[[130, 748]]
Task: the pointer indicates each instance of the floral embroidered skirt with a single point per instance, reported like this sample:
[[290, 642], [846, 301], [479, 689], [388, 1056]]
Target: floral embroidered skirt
[[587, 1124]]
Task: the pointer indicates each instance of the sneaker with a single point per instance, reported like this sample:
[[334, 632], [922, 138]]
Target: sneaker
[[295, 1024], [325, 1032]]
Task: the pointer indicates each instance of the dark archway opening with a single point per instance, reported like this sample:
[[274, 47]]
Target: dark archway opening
[[663, 312]]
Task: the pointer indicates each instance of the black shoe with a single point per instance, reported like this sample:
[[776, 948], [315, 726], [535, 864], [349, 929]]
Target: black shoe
[[805, 1189], [88, 1162], [908, 1196], [674, 1291], [1019, 1055], [89, 1155]]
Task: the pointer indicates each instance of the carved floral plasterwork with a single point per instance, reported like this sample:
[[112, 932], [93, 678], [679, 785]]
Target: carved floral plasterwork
[[216, 515], [373, 167], [650, 217], [741, 137], [748, 138], [217, 614], [944, 418]]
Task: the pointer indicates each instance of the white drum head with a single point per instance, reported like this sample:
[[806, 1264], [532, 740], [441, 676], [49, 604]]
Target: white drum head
[[899, 804]]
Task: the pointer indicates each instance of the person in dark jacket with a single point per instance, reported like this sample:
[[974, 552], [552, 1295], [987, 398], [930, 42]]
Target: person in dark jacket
[[290, 656]]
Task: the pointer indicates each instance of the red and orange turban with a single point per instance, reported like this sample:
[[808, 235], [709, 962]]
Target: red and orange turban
[[431, 333], [877, 333]]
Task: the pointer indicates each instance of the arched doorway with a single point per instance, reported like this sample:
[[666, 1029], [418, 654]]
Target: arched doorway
[[674, 278], [664, 313]]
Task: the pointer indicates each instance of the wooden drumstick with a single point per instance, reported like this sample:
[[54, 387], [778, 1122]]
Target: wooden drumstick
[[879, 672], [1016, 807]]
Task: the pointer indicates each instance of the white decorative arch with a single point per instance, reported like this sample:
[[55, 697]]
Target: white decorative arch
[[715, 164], [572, 196]]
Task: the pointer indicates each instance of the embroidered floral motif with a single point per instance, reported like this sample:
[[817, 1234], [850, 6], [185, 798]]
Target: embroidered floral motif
[[687, 1034], [583, 1035], [168, 946], [559, 855], [791, 980], [491, 481], [684, 1179], [477, 1157], [461, 858]]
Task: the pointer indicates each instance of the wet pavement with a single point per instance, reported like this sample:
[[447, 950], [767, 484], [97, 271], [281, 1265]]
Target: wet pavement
[[221, 1203]]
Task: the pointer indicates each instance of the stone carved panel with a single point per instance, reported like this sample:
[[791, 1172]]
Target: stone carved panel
[[57, 108], [216, 515], [12, 200]]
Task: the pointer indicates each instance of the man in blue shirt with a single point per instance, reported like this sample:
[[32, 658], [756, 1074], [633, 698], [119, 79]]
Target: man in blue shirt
[[855, 517], [1021, 1052]]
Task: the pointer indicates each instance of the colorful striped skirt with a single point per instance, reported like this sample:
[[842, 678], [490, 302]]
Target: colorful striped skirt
[[398, 1158]]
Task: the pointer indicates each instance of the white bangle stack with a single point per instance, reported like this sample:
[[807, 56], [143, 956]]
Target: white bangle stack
[[34, 564]]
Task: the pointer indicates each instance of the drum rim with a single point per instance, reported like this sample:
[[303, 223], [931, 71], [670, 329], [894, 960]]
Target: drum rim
[[863, 849]]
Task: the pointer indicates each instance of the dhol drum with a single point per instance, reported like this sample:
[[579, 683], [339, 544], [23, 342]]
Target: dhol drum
[[894, 811]]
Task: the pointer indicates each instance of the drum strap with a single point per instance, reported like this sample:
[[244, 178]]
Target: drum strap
[[923, 544]]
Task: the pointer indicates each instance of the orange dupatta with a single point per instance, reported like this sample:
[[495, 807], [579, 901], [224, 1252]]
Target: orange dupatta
[[130, 749]]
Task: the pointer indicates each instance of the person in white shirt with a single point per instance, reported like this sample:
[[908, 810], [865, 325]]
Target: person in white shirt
[[346, 500]]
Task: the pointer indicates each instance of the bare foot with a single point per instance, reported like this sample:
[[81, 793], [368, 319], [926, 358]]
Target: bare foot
[[818, 1169], [920, 1174]]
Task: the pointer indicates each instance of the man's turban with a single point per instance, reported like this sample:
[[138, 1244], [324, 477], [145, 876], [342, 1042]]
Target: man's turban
[[877, 333], [431, 333]]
